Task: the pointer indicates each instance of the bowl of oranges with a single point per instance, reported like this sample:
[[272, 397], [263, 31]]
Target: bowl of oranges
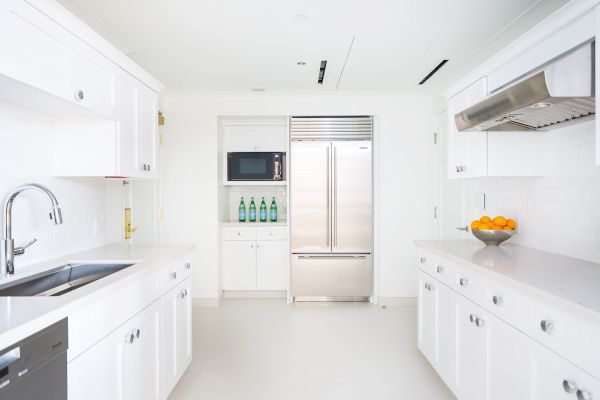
[[493, 231]]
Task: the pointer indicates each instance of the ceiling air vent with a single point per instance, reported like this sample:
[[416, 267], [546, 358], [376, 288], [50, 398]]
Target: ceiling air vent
[[322, 72], [433, 71]]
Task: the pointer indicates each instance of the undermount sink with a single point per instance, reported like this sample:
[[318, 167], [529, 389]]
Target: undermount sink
[[60, 280]]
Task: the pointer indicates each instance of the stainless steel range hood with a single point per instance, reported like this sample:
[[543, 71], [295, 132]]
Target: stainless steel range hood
[[561, 91]]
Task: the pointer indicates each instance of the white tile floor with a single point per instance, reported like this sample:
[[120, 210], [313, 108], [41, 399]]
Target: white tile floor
[[263, 349]]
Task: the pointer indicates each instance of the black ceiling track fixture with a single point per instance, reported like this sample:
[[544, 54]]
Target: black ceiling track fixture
[[322, 72], [433, 71]]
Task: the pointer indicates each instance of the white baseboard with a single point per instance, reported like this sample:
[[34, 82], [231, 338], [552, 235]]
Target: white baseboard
[[254, 294], [205, 302], [398, 301]]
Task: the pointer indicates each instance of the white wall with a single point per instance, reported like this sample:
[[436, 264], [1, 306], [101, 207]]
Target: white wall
[[26, 156], [559, 212], [189, 185]]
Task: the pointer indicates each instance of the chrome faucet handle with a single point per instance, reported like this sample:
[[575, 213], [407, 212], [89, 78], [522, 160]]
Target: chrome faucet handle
[[18, 251]]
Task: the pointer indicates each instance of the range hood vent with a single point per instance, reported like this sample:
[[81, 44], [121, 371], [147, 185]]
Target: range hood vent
[[559, 92]]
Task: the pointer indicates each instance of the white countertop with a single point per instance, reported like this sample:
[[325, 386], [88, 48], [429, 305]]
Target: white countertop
[[568, 280], [255, 224], [23, 316]]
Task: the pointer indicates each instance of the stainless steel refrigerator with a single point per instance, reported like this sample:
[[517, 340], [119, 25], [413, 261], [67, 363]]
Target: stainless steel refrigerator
[[331, 208]]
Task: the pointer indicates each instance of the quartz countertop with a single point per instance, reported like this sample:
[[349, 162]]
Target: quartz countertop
[[23, 316], [573, 282]]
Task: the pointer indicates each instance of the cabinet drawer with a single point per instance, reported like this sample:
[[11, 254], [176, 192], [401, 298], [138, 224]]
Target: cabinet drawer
[[272, 233], [239, 233], [567, 335], [507, 304], [176, 272], [469, 284]]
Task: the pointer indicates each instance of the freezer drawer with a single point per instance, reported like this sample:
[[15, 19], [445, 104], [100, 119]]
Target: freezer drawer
[[332, 277]]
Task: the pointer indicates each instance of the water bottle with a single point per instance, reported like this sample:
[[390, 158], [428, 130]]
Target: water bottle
[[273, 211], [263, 210], [252, 210], [242, 211]]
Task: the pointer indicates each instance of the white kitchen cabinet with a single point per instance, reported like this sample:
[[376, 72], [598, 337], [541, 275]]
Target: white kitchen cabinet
[[125, 365], [445, 355], [255, 258], [268, 135], [177, 334], [471, 345], [126, 147], [38, 54], [427, 316], [467, 151], [271, 259]]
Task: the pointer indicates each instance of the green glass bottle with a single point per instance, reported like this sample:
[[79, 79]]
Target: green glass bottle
[[252, 210], [242, 211], [263, 210], [273, 211]]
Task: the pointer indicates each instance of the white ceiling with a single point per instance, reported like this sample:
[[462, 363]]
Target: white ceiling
[[232, 45]]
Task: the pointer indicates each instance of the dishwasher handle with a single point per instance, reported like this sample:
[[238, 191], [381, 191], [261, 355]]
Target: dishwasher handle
[[10, 357]]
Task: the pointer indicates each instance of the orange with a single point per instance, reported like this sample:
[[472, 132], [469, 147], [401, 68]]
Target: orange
[[485, 227], [475, 224], [500, 221], [507, 228], [511, 223], [496, 228], [485, 219]]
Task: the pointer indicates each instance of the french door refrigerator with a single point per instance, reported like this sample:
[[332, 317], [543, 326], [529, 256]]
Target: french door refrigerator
[[331, 208]]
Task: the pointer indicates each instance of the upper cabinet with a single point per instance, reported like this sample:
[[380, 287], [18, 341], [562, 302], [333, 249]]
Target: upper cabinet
[[467, 151], [509, 149], [107, 105]]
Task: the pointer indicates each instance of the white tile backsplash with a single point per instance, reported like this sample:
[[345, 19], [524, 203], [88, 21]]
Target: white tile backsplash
[[559, 212], [25, 157]]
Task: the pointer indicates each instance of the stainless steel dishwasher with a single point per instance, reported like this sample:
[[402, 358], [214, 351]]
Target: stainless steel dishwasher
[[36, 367]]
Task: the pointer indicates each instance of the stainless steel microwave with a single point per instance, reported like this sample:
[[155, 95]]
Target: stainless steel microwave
[[255, 166]]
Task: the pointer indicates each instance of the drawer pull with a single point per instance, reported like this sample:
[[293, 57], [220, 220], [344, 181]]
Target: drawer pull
[[583, 395], [479, 322], [79, 95], [429, 286], [472, 317], [497, 300], [547, 326], [440, 269], [422, 260], [239, 233], [569, 386], [188, 265], [173, 275], [463, 282]]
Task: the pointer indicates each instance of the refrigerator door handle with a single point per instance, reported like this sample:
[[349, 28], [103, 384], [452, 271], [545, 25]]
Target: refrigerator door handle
[[323, 256], [335, 241], [328, 197]]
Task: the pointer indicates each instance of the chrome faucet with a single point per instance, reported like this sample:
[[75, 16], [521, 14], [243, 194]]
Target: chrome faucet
[[8, 244]]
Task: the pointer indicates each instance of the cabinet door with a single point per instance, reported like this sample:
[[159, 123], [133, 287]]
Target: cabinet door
[[42, 55], [127, 111], [509, 362], [427, 316], [557, 379], [239, 265], [141, 357], [96, 374], [445, 337], [170, 368], [184, 326], [467, 151], [147, 131], [271, 265], [471, 347]]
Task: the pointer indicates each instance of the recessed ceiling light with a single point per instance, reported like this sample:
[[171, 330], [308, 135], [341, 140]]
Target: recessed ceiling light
[[300, 18], [301, 63], [258, 89]]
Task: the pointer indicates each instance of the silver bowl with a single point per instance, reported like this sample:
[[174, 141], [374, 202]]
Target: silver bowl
[[491, 237]]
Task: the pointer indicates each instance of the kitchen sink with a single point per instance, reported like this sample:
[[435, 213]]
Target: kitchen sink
[[60, 280]]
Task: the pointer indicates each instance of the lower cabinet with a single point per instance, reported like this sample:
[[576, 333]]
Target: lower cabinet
[[255, 264], [177, 334], [481, 357], [126, 364]]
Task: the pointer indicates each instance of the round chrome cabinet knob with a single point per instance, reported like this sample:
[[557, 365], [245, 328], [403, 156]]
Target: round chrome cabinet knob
[[497, 300], [569, 386], [547, 326], [584, 395], [463, 282]]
